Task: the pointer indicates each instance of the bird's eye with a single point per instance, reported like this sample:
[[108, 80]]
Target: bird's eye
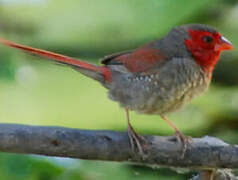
[[207, 39]]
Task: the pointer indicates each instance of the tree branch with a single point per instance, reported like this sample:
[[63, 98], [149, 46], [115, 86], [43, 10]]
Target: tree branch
[[206, 152]]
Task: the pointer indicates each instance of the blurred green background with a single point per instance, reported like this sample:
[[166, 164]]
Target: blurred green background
[[33, 91]]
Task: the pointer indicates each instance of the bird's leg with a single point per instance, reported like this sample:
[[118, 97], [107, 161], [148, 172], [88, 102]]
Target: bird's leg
[[136, 141], [184, 139]]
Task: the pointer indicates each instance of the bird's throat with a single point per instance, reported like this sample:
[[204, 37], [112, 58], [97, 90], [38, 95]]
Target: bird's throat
[[207, 60]]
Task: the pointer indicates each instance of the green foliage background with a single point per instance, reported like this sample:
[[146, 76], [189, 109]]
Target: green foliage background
[[33, 91]]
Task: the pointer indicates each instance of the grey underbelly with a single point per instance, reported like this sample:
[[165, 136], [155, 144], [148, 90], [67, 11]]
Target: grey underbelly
[[155, 99]]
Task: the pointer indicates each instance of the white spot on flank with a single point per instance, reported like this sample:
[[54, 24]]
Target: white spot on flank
[[201, 81], [196, 75]]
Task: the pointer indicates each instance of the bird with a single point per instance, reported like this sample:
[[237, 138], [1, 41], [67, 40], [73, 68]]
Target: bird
[[159, 77]]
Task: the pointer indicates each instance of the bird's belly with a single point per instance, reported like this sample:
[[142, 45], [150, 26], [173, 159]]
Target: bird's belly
[[171, 101], [151, 98]]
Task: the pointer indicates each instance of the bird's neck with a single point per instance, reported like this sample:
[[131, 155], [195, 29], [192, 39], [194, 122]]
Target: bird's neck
[[207, 59]]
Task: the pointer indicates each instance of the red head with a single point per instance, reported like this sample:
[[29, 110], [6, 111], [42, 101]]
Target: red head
[[206, 44]]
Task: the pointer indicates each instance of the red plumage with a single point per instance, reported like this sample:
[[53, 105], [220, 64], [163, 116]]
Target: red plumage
[[140, 60]]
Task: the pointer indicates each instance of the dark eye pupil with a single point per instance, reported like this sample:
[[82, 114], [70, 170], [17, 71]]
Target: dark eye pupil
[[207, 39]]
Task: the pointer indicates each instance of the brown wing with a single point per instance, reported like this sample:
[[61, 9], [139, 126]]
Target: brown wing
[[109, 59], [139, 60]]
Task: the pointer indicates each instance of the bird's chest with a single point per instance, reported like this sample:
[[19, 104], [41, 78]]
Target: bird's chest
[[160, 92], [183, 93]]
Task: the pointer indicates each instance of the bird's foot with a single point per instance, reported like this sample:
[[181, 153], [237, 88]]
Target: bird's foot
[[185, 140], [138, 143]]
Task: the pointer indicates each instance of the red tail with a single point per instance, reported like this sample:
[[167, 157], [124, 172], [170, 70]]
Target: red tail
[[78, 64]]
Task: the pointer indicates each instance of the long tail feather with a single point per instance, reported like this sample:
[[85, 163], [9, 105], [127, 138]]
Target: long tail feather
[[88, 69]]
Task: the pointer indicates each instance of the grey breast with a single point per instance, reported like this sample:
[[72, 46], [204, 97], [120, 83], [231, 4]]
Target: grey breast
[[163, 90]]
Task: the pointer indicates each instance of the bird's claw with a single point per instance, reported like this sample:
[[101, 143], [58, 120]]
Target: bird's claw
[[185, 140], [138, 143]]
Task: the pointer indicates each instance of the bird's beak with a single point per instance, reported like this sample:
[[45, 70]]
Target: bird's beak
[[223, 44]]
